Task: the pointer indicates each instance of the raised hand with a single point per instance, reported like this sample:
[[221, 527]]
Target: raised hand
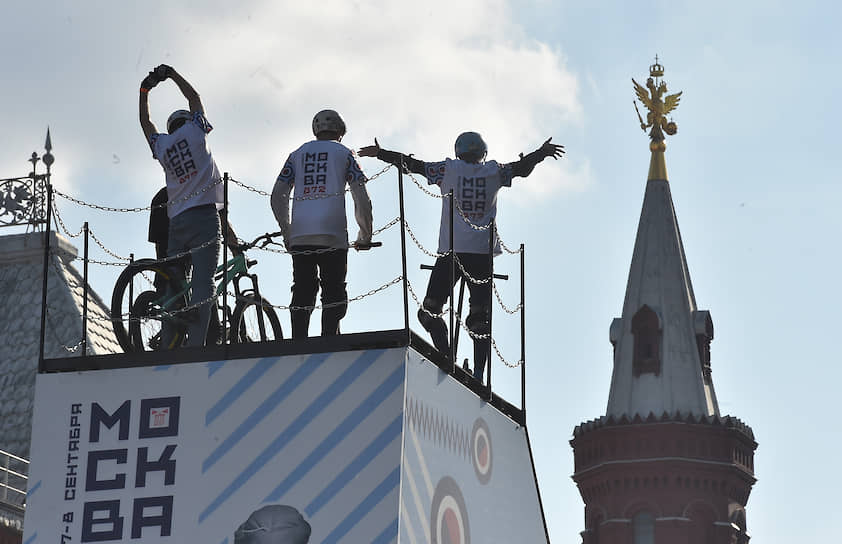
[[552, 150], [369, 150], [149, 81], [163, 71]]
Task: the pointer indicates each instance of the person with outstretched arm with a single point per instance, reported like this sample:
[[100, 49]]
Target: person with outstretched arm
[[475, 183], [195, 196], [317, 237]]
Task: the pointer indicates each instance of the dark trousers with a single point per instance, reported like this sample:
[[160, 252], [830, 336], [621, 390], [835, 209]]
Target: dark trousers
[[479, 267], [310, 271]]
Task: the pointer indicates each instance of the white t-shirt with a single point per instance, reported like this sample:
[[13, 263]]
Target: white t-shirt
[[318, 172], [475, 188], [189, 166]]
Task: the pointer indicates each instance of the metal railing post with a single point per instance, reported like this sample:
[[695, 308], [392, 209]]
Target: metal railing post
[[452, 285], [224, 325], [85, 294], [403, 253], [523, 332], [487, 346], [44, 281]]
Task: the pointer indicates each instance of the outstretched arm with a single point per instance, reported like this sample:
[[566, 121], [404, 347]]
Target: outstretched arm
[[146, 123], [409, 163], [527, 163], [165, 71]]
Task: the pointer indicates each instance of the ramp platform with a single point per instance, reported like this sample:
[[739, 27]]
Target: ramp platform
[[368, 438]]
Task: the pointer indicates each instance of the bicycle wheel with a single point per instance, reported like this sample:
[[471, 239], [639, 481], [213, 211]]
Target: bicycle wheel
[[136, 278], [145, 322], [245, 322]]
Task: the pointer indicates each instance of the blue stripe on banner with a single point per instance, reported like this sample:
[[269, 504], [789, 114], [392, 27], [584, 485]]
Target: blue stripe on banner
[[297, 378], [351, 422], [368, 503], [214, 367], [246, 381], [355, 466], [160, 368], [31, 539], [33, 489], [389, 534], [354, 371]]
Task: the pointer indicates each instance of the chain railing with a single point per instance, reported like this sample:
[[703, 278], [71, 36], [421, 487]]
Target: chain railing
[[409, 291]]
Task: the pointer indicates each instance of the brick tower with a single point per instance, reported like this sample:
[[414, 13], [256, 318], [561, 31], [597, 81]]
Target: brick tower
[[662, 466]]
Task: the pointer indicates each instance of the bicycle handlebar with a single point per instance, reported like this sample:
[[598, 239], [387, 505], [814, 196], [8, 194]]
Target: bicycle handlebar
[[365, 247], [496, 276]]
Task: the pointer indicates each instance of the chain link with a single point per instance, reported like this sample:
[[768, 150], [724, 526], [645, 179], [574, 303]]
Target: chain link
[[468, 221], [420, 246], [265, 193], [468, 277], [476, 336], [105, 249], [506, 249], [424, 189], [421, 306], [506, 309], [285, 251], [63, 226], [138, 209], [338, 303]]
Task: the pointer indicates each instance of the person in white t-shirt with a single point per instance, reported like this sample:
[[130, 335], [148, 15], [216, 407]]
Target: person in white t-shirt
[[475, 183], [317, 237], [195, 196]]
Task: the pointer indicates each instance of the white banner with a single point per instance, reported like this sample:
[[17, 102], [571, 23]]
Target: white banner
[[466, 471], [284, 450]]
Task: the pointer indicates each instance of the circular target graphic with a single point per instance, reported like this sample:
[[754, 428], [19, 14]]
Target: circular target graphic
[[448, 515], [482, 455]]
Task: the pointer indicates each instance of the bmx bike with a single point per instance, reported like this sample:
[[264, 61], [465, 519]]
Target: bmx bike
[[137, 318]]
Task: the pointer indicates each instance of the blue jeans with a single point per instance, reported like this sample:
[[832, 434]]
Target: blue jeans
[[191, 229]]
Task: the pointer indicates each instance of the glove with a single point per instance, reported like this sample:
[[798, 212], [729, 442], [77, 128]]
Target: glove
[[149, 81], [163, 71]]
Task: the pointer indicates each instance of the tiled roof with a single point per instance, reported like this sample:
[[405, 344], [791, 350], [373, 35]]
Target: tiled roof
[[21, 278]]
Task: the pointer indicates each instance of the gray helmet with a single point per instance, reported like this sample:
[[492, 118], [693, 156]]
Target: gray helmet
[[274, 524], [178, 118], [328, 120], [470, 147]]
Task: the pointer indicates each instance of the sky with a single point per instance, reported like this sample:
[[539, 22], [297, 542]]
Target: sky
[[754, 173]]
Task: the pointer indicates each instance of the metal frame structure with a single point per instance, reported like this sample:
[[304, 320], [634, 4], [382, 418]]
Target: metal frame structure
[[380, 339]]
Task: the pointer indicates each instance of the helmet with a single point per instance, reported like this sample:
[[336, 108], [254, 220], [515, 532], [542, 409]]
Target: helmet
[[178, 118], [470, 147], [274, 523], [328, 120]]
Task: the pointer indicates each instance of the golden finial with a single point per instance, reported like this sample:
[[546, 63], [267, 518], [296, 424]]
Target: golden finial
[[656, 117]]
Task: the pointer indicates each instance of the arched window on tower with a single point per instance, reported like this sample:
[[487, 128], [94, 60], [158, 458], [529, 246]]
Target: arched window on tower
[[704, 334], [643, 527], [646, 328]]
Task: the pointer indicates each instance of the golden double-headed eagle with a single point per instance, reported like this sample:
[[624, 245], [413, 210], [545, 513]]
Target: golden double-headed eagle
[[658, 108]]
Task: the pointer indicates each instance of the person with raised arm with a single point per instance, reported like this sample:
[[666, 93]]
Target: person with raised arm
[[475, 183], [195, 195]]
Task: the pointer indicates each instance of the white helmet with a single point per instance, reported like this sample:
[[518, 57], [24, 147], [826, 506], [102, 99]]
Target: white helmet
[[470, 147], [328, 120], [178, 118]]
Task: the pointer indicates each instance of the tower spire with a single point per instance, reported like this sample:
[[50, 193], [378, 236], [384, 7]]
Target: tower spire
[[661, 342]]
